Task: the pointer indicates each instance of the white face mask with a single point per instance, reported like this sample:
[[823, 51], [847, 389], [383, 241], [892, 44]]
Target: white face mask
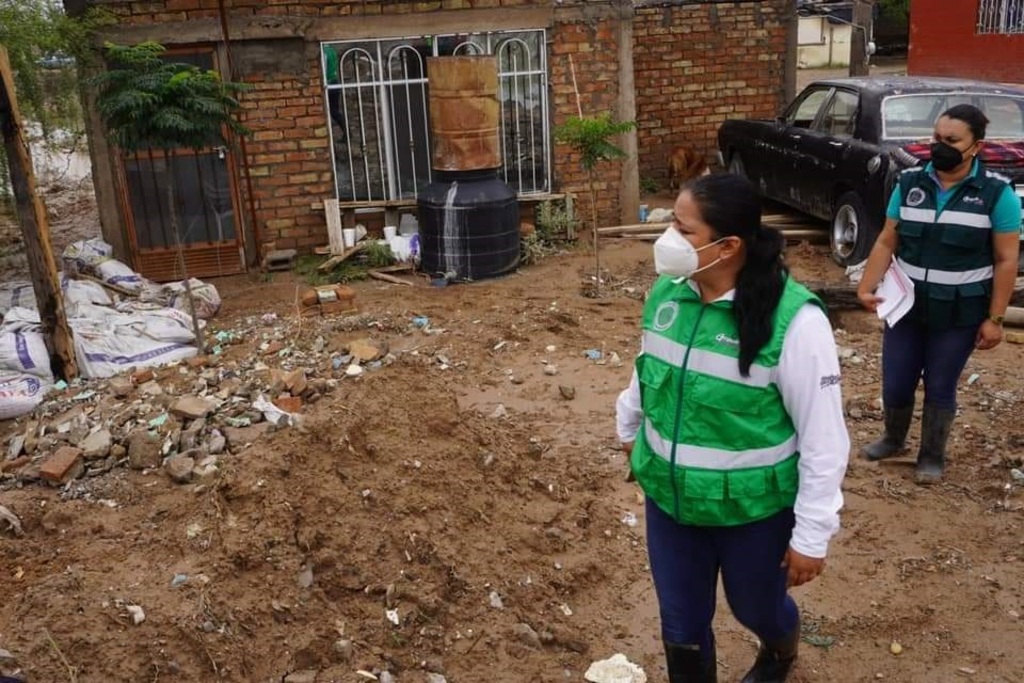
[[676, 257]]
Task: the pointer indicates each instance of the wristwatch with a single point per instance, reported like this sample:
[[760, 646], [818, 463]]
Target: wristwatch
[[997, 319]]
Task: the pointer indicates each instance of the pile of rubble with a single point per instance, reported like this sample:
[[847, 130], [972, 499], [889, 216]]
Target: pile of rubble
[[185, 416]]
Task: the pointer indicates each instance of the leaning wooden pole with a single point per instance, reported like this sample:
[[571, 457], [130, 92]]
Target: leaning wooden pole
[[35, 228]]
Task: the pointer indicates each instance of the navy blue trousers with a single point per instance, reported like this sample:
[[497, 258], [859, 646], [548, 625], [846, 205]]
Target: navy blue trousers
[[911, 351], [686, 560]]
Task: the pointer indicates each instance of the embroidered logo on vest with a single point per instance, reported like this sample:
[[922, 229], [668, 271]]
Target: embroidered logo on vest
[[915, 197], [666, 315], [977, 201], [723, 338]]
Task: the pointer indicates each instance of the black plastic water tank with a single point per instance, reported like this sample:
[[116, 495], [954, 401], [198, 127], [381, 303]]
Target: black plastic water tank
[[469, 225]]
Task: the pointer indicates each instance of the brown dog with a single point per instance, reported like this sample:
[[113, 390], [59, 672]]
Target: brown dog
[[685, 164]]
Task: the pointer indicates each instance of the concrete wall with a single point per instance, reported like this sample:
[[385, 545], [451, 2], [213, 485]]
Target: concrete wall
[[823, 44]]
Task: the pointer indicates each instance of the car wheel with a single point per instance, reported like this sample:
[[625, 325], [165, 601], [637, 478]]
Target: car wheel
[[736, 165], [851, 233]]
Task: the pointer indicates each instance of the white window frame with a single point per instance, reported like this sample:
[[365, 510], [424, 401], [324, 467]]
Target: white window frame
[[1001, 17], [382, 180]]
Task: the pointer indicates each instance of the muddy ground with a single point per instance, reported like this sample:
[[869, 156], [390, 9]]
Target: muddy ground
[[500, 536]]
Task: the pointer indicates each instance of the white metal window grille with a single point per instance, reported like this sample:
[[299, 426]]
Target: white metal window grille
[[378, 111], [1001, 16]]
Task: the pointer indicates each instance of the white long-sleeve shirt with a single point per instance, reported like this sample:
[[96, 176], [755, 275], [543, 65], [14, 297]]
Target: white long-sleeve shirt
[[808, 379]]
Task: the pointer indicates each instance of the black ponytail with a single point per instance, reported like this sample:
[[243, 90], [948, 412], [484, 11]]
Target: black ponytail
[[759, 288], [730, 206]]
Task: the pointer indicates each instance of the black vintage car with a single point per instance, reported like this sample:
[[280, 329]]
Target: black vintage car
[[837, 149]]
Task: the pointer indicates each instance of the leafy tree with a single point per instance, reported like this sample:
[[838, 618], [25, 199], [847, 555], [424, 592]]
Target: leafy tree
[[44, 45], [588, 136], [147, 101]]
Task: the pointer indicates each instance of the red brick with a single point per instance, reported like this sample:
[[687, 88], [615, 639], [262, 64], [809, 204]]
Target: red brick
[[64, 465], [289, 404]]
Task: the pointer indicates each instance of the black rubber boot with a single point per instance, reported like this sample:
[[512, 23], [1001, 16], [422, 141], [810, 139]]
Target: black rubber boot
[[893, 442], [936, 424], [689, 664], [774, 660]]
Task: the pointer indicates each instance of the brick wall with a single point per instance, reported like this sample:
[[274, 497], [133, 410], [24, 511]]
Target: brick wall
[[593, 49], [944, 42], [697, 65]]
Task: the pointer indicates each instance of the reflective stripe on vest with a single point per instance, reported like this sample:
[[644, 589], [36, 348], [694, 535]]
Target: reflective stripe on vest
[[717, 459], [969, 220], [705, 362], [946, 277]]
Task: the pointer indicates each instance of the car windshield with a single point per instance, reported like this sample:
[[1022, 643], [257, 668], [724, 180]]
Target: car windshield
[[912, 117]]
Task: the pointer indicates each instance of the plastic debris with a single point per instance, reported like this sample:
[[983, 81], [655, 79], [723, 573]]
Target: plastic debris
[[615, 669]]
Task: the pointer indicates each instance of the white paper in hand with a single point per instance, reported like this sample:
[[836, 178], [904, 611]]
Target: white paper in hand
[[897, 292]]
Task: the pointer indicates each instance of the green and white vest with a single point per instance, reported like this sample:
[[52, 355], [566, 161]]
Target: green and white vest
[[715, 448], [948, 254]]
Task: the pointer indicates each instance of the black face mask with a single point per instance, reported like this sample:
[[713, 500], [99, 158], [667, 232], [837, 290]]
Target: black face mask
[[946, 157]]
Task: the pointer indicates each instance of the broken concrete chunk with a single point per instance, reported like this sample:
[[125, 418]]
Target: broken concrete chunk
[[192, 407], [179, 468], [143, 450], [365, 350], [97, 445]]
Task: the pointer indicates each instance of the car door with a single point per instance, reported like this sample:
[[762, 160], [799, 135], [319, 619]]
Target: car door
[[822, 152], [782, 143]]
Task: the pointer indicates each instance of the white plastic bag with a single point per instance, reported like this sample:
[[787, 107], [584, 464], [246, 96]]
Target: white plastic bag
[[111, 341], [113, 272], [16, 294], [22, 345], [206, 296], [20, 394], [85, 255]]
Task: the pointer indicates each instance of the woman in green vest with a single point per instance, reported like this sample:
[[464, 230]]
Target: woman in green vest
[[953, 228], [733, 422]]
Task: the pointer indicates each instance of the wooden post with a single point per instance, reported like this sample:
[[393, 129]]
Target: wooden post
[[629, 181], [35, 228], [863, 18]]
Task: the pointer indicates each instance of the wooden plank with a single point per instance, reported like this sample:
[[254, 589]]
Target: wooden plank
[[35, 228], [335, 260], [334, 236], [384, 277]]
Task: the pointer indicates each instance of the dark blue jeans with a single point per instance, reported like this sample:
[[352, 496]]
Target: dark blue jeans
[[685, 561], [911, 350]]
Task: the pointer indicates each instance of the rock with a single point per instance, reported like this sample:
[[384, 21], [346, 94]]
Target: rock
[[273, 348], [192, 407], [305, 577], [436, 678], [179, 468], [499, 412], [11, 521], [120, 387], [190, 437], [567, 392], [307, 676], [525, 634], [205, 467], [217, 443], [550, 370], [239, 437], [353, 371], [16, 446], [63, 466], [151, 389], [97, 445], [343, 649], [365, 350], [386, 677], [496, 601], [295, 382], [117, 451], [143, 450]]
